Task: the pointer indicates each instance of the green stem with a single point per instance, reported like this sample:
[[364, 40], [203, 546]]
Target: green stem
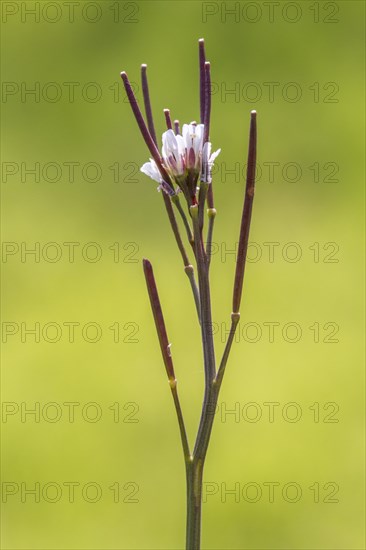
[[194, 469], [205, 301], [194, 474]]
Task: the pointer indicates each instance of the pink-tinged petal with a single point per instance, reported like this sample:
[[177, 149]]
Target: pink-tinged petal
[[191, 159]]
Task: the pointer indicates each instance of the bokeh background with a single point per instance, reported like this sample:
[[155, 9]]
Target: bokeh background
[[111, 474]]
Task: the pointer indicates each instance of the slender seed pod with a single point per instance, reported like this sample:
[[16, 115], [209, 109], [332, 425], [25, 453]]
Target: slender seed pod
[[202, 60], [159, 319], [247, 214], [168, 120], [147, 103]]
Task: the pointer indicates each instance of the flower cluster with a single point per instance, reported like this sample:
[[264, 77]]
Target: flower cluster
[[186, 158], [185, 162]]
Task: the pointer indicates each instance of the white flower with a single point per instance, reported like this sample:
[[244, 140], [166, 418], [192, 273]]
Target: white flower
[[173, 153], [193, 141], [184, 155], [208, 161], [151, 170], [183, 152]]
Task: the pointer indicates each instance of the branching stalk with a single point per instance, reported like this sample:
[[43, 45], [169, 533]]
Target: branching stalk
[[182, 168]]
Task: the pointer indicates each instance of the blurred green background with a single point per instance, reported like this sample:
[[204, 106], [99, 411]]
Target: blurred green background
[[121, 450]]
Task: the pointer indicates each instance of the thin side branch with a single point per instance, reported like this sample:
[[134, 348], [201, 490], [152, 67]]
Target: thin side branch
[[182, 429], [176, 201], [188, 268], [220, 373], [165, 349]]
